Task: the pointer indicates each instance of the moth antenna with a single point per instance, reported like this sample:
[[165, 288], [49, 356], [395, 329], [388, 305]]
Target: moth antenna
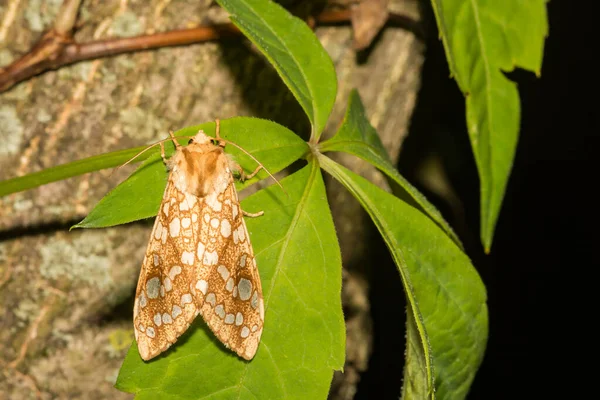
[[172, 137]]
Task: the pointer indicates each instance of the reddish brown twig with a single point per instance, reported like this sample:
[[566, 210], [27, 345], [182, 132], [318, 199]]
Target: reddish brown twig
[[57, 49], [54, 50]]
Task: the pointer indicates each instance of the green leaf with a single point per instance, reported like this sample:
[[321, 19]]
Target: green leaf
[[295, 52], [303, 339], [69, 170], [418, 365], [482, 39], [444, 291], [139, 196], [357, 136]]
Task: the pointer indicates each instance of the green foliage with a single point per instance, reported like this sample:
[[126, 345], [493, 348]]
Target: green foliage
[[294, 51], [444, 292], [482, 39], [357, 136], [69, 170], [295, 241]]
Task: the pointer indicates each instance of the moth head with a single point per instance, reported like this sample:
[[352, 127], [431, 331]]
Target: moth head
[[200, 138]]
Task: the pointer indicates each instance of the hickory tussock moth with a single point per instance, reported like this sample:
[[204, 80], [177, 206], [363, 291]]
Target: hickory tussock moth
[[199, 259]]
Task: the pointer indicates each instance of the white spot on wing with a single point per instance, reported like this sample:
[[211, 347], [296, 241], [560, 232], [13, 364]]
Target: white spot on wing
[[202, 285], [166, 318], [175, 227], [157, 319], [187, 257], [225, 228], [166, 209], [153, 287], [245, 289], [220, 311], [158, 230], [176, 311], [229, 319], [213, 201], [185, 299], [239, 319], [187, 203], [168, 284], [150, 332], [210, 258], [241, 233], [223, 271], [186, 222], [245, 332], [254, 301], [174, 271], [243, 260], [211, 299], [229, 285], [156, 259], [142, 300]]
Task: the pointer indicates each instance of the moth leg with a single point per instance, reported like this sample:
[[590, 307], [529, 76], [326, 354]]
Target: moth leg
[[242, 178], [174, 139], [218, 133], [243, 175], [253, 215], [162, 152]]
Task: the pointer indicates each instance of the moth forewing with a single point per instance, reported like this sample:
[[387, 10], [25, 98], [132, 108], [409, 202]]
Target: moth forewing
[[199, 258]]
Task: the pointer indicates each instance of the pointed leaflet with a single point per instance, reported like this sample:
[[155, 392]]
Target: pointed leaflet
[[448, 292], [68, 170], [303, 338], [295, 52], [272, 144], [482, 39], [357, 136]]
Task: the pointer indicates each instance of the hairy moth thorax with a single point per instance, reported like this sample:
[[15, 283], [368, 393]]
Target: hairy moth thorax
[[199, 259], [201, 166]]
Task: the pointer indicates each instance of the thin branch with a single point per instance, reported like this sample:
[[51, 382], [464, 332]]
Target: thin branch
[[56, 48]]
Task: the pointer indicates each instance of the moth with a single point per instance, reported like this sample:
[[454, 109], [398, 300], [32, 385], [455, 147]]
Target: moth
[[199, 259]]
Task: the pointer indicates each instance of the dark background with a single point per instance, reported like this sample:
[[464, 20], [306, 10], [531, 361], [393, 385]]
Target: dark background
[[542, 249]]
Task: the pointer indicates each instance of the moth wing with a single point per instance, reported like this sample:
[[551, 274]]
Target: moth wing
[[164, 305], [229, 292]]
